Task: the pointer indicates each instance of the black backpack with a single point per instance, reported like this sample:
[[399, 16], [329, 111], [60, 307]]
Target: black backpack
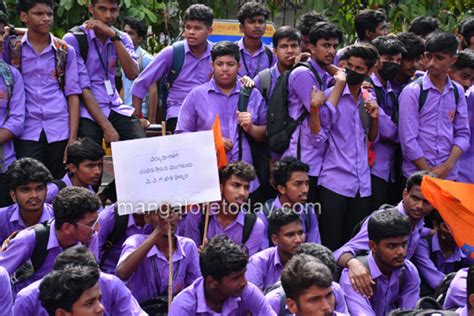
[[358, 226], [379, 94], [118, 231], [249, 222], [424, 93]]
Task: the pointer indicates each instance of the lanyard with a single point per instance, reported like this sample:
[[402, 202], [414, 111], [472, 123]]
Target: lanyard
[[101, 61], [158, 274], [258, 64]]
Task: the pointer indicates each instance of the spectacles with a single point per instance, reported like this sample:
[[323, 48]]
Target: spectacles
[[92, 227]]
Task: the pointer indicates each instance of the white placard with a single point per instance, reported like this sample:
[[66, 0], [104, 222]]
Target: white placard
[[178, 169]]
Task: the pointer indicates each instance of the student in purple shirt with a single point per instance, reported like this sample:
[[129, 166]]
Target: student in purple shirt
[[75, 221], [434, 137], [254, 54], [466, 172], [229, 216], [468, 309], [6, 298], [457, 291], [84, 167], [144, 261], [116, 297], [305, 23], [223, 288], [307, 285], [344, 181], [103, 113], [287, 234], [396, 280], [290, 176], [27, 179]]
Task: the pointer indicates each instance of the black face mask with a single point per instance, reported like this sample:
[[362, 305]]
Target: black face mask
[[353, 77], [389, 70]]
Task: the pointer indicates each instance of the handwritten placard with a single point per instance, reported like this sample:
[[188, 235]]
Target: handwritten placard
[[177, 169]]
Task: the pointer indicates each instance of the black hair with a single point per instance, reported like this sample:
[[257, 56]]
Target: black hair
[[367, 20], [436, 217], [308, 20], [284, 168], [139, 26], [225, 48], [94, 2], [3, 18], [325, 30], [442, 42], [365, 51], [280, 217], [26, 170], [465, 59], [77, 255], [416, 179], [423, 25], [72, 203], [27, 5], [287, 32], [388, 45], [302, 272], [84, 149], [61, 289], [470, 284], [321, 253], [388, 224], [252, 9], [466, 29], [199, 12], [413, 44], [221, 257], [239, 169]]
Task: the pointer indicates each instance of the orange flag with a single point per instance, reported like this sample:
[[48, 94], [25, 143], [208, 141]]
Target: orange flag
[[455, 202], [219, 143]]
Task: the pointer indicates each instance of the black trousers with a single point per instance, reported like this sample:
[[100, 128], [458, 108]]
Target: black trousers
[[128, 127], [339, 215], [5, 199], [51, 154], [313, 190], [380, 193]]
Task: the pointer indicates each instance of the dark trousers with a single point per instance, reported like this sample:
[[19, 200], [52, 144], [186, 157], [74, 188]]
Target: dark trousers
[[313, 190], [128, 127], [50, 154], [380, 193], [171, 124], [5, 199], [339, 216]]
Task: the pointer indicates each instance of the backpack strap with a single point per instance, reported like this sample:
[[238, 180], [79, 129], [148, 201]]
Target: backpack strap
[[201, 225], [379, 94], [269, 54], [60, 54], [81, 38], [59, 183], [423, 94], [244, 96], [249, 222], [41, 244], [265, 77], [120, 227], [315, 73], [282, 302], [364, 117], [168, 80]]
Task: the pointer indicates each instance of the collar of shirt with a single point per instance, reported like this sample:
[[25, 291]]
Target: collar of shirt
[[457, 254], [16, 217], [53, 241], [206, 54], [51, 45], [427, 84], [178, 254], [276, 259], [212, 86], [325, 76], [230, 304], [67, 180], [274, 72], [378, 83], [419, 225], [137, 52], [91, 36], [242, 48], [277, 204], [375, 272]]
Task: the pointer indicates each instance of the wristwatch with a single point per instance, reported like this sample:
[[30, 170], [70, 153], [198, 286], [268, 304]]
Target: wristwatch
[[116, 37]]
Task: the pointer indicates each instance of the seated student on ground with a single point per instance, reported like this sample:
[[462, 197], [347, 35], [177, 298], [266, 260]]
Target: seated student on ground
[[116, 297], [27, 179], [468, 309], [307, 285], [305, 23], [144, 261], [84, 167], [290, 176], [229, 216], [31, 253], [277, 298], [414, 206], [223, 288], [396, 283], [457, 292], [73, 291], [6, 298], [287, 233]]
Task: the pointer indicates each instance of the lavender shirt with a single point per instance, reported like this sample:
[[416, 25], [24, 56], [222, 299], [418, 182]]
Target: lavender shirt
[[466, 162], [264, 268], [457, 291], [191, 301], [151, 277], [433, 131], [253, 64], [6, 298], [195, 71], [46, 105], [53, 189], [96, 72], [14, 122], [116, 298], [11, 220], [390, 292]]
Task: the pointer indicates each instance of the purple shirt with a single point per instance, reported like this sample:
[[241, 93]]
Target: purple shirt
[[116, 298], [53, 189], [21, 248], [466, 162], [253, 64], [107, 222], [457, 291], [45, 103], [15, 120], [300, 84], [311, 236], [6, 298], [195, 71], [11, 220], [264, 268], [345, 168], [191, 301], [204, 102], [233, 231], [151, 277], [96, 73], [399, 290], [433, 131]]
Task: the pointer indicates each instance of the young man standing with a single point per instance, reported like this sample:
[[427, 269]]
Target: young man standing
[[304, 26], [433, 124]]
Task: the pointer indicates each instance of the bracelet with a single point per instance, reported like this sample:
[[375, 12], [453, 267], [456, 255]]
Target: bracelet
[[314, 110]]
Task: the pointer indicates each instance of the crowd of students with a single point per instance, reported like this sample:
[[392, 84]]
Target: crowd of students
[[322, 211]]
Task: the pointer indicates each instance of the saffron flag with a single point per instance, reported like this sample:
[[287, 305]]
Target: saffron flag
[[219, 143], [455, 202]]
